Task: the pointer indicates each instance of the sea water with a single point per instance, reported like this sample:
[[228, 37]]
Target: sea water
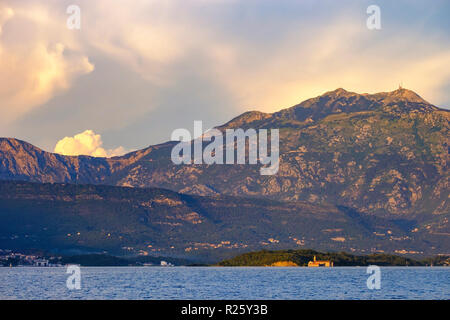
[[225, 283]]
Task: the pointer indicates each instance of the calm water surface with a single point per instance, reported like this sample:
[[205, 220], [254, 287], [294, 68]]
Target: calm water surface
[[225, 283]]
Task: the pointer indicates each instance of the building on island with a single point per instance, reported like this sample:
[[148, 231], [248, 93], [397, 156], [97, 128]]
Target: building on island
[[320, 263]]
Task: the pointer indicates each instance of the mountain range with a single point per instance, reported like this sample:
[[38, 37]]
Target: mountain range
[[374, 156]]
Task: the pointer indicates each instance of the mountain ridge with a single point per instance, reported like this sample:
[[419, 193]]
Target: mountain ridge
[[383, 153]]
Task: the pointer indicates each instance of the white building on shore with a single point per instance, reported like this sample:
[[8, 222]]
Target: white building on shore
[[41, 263]]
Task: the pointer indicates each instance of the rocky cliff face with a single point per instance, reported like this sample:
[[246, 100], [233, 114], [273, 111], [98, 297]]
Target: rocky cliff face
[[382, 154], [20, 160]]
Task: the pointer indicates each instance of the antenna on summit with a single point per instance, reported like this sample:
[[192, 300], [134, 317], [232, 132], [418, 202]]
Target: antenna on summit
[[400, 87]]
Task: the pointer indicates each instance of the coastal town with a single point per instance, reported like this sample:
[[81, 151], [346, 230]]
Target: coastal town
[[9, 258]]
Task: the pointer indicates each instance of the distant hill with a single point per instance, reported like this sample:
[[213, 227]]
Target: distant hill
[[80, 219], [380, 154]]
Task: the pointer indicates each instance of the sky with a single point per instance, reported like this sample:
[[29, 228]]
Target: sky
[[137, 70]]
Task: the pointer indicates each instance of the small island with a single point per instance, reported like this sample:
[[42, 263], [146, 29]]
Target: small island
[[312, 258]]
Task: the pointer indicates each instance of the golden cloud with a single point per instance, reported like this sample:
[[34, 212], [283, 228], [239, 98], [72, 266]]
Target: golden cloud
[[37, 60], [86, 143]]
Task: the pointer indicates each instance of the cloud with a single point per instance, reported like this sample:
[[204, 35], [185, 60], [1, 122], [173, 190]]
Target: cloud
[[309, 62], [160, 64], [264, 56], [86, 143], [38, 59], [261, 53]]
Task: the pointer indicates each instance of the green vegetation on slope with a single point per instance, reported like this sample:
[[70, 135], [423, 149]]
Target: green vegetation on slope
[[302, 257]]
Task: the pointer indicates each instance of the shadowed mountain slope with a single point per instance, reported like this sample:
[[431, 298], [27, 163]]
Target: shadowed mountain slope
[[68, 218]]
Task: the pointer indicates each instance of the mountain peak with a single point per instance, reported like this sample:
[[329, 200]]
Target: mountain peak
[[401, 94], [341, 100], [17, 145], [407, 95], [339, 92]]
